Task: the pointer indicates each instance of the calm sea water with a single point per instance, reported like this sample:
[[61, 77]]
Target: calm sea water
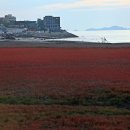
[[96, 36]]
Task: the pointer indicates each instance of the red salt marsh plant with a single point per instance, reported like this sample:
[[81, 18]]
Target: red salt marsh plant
[[62, 71], [63, 63]]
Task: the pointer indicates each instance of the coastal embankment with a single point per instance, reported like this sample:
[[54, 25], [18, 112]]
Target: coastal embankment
[[59, 44]]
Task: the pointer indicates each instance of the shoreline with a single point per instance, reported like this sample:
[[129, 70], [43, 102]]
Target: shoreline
[[60, 44]]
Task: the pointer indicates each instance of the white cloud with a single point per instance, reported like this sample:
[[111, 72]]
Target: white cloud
[[79, 4]]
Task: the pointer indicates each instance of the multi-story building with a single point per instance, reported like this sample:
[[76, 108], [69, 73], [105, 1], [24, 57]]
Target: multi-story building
[[9, 19], [31, 25], [40, 24], [51, 23]]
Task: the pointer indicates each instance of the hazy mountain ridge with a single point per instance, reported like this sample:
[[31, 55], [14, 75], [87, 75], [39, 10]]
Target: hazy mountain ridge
[[108, 28]]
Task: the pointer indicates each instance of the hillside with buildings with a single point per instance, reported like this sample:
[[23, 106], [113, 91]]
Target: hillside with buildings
[[49, 27]]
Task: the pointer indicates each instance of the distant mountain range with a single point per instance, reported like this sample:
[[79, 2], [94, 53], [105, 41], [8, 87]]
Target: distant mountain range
[[108, 28]]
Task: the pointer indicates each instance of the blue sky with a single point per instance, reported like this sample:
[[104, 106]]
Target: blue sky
[[75, 14]]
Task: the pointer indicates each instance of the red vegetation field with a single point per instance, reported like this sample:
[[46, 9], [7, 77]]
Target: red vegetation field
[[64, 74], [76, 64], [63, 71]]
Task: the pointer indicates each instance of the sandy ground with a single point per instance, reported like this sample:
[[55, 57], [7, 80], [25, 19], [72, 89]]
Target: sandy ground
[[60, 44]]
